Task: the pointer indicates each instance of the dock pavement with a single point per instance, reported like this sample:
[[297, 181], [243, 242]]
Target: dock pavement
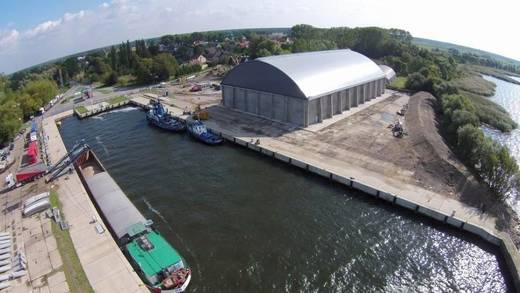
[[105, 266]]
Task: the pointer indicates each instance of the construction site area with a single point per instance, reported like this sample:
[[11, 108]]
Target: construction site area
[[386, 135]]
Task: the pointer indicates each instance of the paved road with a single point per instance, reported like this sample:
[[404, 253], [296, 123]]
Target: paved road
[[98, 98]]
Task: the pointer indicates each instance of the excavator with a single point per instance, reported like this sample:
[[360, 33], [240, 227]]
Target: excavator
[[398, 129]]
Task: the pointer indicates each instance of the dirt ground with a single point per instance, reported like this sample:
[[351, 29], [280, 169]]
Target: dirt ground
[[365, 139], [206, 97]]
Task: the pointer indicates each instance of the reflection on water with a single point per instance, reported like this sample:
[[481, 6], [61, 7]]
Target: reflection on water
[[246, 223], [507, 95]]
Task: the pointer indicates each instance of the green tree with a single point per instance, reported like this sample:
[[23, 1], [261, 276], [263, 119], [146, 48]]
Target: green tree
[[112, 57], [498, 168], [469, 140], [164, 65], [41, 91], [111, 78], [461, 118], [10, 120], [262, 46], [144, 71], [370, 41], [71, 66], [417, 82], [451, 103]]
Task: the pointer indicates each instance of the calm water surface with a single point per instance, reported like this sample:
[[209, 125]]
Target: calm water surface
[[246, 223], [507, 95]]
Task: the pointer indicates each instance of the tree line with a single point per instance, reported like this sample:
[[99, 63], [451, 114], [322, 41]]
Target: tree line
[[17, 105], [142, 60], [491, 161]]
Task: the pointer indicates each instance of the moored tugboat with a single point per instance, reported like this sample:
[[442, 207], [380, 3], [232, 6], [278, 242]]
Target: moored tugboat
[[160, 117], [198, 130]]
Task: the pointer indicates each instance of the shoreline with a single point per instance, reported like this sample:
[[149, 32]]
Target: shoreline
[[446, 211], [105, 266]]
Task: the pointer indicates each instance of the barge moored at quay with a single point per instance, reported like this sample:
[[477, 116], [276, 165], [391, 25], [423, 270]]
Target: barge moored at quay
[[158, 264]]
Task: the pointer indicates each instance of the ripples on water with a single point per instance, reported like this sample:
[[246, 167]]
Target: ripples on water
[[246, 223], [507, 95]]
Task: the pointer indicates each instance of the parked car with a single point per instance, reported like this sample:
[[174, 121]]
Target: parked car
[[196, 88]]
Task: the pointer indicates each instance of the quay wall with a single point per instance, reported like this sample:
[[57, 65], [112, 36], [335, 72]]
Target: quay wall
[[101, 109], [500, 239]]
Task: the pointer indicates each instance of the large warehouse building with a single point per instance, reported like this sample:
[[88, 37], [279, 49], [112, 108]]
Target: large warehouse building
[[304, 88]]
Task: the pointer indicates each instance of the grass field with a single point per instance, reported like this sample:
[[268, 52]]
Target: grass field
[[399, 82], [474, 83], [116, 100], [497, 73], [105, 90], [126, 80], [66, 99], [432, 44], [491, 113], [81, 109], [74, 274]]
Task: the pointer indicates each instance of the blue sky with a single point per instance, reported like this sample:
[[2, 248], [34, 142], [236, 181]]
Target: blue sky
[[24, 14], [32, 32]]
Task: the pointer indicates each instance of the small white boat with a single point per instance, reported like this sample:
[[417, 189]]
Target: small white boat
[[5, 250], [5, 262], [5, 256], [33, 199], [5, 241], [4, 234], [36, 207], [5, 245]]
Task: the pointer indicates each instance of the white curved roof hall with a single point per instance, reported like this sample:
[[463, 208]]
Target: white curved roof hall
[[388, 71], [305, 75]]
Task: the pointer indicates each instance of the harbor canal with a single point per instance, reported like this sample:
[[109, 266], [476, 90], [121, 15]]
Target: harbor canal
[[246, 223]]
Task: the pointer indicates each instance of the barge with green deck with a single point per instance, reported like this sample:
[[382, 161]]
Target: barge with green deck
[[158, 264]]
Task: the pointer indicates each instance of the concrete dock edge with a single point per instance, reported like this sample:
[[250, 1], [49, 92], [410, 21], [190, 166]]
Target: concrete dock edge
[[504, 242], [341, 180], [319, 171], [299, 164], [365, 188], [281, 157]]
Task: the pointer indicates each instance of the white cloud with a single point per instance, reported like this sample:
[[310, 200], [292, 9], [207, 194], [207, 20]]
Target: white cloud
[[8, 39], [74, 16], [120, 20], [42, 28]]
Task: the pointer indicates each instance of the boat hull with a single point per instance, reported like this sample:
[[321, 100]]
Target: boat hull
[[214, 140], [174, 290], [176, 126]]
